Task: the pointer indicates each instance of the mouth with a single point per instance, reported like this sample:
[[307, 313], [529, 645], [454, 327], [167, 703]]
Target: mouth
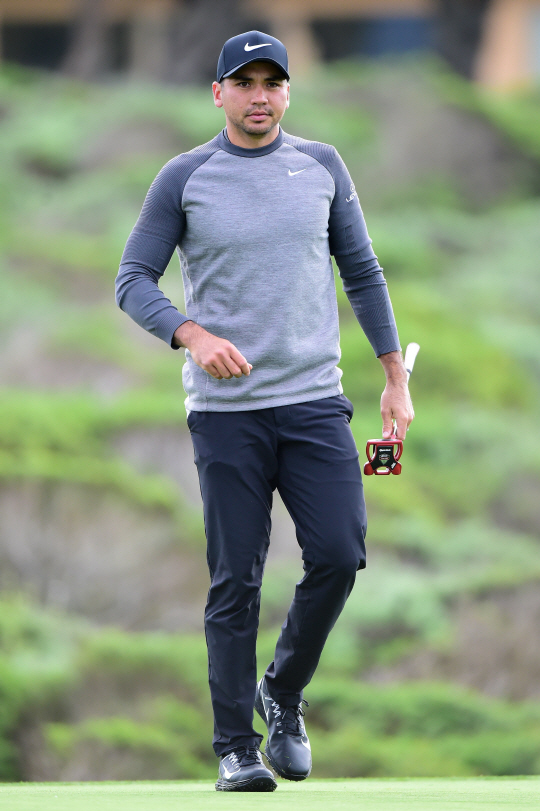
[[258, 115]]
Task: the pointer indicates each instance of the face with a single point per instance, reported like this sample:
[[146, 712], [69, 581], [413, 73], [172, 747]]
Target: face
[[254, 100]]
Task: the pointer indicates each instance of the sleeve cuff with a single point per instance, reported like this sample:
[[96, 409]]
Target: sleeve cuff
[[168, 325]]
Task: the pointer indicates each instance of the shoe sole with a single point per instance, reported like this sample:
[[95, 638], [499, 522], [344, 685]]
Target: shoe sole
[[295, 777], [255, 784], [286, 775]]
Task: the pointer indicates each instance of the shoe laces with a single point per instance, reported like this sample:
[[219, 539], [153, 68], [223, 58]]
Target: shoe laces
[[246, 756], [291, 718]]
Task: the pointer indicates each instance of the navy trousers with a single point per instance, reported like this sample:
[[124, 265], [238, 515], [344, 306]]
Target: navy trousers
[[308, 453]]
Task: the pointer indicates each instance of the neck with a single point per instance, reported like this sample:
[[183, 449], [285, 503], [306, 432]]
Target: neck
[[244, 139]]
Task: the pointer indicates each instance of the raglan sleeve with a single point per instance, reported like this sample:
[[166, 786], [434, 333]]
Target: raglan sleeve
[[149, 248], [359, 268]]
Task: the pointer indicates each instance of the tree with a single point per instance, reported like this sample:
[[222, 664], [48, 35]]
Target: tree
[[199, 29], [459, 32], [87, 54]]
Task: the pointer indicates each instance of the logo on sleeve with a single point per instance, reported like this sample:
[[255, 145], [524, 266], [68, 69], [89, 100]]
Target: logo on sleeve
[[353, 194]]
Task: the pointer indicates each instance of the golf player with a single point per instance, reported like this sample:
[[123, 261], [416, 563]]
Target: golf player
[[256, 215]]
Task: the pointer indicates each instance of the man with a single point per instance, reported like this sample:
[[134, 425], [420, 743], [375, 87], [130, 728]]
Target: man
[[256, 215]]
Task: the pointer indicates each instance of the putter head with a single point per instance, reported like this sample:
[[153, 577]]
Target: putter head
[[383, 456]]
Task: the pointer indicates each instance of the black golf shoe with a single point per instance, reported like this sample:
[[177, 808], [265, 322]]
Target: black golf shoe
[[287, 746], [244, 770]]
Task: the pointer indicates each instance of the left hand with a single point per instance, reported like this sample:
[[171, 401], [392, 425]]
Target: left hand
[[396, 403]]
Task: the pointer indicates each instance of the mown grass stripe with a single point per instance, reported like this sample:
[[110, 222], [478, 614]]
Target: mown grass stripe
[[443, 794]]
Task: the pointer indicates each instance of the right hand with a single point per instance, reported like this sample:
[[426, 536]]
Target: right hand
[[217, 356]]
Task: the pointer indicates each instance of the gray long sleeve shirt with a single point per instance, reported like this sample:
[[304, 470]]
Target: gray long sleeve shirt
[[255, 230]]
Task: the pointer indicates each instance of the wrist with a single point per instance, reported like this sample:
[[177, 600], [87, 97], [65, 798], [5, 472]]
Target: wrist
[[184, 334], [394, 367]]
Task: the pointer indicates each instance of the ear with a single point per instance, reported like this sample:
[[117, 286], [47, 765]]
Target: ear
[[216, 90]]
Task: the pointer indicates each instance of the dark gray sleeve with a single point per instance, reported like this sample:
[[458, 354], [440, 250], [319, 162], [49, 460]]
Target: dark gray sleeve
[[148, 251], [362, 276]]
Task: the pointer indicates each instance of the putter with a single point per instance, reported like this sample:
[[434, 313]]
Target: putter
[[384, 454]]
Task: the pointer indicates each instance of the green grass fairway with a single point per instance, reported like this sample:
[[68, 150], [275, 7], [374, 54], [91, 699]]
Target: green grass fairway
[[444, 794]]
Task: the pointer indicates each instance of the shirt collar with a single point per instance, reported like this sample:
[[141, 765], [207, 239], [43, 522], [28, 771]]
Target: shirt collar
[[242, 152]]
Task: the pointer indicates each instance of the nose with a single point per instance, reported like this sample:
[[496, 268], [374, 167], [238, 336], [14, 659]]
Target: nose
[[259, 95]]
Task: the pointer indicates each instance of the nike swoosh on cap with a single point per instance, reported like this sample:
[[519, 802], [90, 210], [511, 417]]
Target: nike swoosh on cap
[[296, 173], [248, 47]]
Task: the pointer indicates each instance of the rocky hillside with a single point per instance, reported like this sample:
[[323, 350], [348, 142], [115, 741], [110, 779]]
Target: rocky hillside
[[100, 518]]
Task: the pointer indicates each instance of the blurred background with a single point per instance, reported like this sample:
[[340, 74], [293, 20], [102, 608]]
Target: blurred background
[[434, 667]]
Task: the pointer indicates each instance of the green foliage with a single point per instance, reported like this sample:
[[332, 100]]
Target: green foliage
[[35, 668], [164, 754], [12, 696], [354, 123], [52, 668], [164, 660], [55, 437], [517, 115], [457, 523], [421, 729], [141, 701], [424, 710]]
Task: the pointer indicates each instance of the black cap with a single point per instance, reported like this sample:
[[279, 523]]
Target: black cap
[[253, 46]]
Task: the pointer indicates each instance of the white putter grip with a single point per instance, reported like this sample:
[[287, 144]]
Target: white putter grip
[[410, 356]]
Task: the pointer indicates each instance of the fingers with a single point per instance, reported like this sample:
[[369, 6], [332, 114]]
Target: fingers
[[396, 405], [213, 372], [400, 428], [227, 368], [403, 420], [387, 414], [217, 356], [223, 362], [231, 364], [388, 427], [240, 362]]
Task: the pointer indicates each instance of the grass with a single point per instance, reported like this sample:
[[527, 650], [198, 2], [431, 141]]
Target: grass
[[443, 794]]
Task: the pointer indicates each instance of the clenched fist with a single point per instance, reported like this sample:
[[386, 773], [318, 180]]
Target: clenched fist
[[217, 356]]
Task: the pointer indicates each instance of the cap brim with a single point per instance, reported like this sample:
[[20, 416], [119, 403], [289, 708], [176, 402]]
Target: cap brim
[[256, 59]]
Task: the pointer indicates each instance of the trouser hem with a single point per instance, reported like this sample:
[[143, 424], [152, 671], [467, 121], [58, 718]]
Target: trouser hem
[[222, 749]]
